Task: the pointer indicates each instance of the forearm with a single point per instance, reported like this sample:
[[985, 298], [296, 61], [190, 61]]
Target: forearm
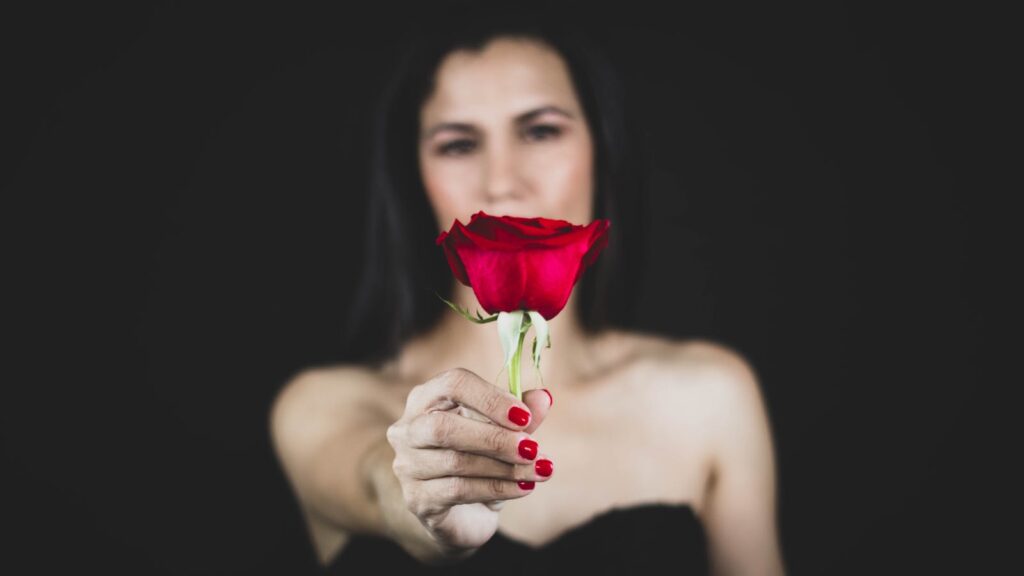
[[397, 521], [329, 431]]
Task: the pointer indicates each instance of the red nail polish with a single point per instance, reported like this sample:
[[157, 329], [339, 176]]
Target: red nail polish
[[518, 416], [544, 467], [551, 399], [528, 449], [527, 484]]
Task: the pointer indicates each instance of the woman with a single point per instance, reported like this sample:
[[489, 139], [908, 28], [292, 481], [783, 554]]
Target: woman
[[659, 454]]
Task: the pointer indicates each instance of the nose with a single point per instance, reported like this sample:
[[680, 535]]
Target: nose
[[502, 180]]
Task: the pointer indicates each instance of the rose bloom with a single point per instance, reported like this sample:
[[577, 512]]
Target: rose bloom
[[515, 263]]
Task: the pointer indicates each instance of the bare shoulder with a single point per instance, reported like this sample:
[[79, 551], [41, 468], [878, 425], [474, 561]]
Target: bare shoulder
[[683, 364], [346, 387], [712, 406], [332, 381], [315, 404], [721, 382], [693, 383], [330, 391], [696, 400], [712, 365]]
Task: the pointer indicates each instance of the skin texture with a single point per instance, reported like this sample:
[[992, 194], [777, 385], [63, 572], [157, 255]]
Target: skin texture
[[636, 418]]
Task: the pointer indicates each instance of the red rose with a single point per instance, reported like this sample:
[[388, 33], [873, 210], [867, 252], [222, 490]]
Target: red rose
[[517, 263]]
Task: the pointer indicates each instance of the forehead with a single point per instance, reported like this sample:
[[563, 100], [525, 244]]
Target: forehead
[[508, 76]]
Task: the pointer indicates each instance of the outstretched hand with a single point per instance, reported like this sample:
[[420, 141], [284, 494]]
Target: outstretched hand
[[462, 448]]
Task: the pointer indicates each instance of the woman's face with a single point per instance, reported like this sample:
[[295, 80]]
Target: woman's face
[[503, 132]]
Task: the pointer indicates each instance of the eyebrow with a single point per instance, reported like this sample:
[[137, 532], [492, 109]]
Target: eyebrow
[[520, 119]]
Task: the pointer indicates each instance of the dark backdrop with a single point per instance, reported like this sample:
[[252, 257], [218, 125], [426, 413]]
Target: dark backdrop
[[184, 192]]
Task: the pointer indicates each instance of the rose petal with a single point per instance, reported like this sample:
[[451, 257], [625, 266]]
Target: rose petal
[[514, 263]]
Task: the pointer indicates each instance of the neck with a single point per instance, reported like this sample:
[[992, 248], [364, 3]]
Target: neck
[[455, 342]]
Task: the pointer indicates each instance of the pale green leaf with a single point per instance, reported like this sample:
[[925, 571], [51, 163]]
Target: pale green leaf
[[509, 325], [536, 365]]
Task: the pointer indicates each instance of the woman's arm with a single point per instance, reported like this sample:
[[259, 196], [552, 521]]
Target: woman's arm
[[328, 428], [740, 513], [369, 457]]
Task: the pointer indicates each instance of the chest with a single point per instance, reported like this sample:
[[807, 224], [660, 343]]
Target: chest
[[609, 455]]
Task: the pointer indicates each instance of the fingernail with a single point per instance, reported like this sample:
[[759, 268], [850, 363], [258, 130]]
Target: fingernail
[[527, 484], [551, 399], [518, 416], [544, 467], [527, 448]]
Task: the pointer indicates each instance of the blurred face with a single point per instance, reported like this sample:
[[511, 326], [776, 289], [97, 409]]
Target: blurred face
[[503, 132]]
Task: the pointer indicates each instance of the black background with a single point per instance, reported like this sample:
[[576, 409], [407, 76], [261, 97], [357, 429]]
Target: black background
[[184, 214]]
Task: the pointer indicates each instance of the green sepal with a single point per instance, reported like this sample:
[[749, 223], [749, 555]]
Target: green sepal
[[540, 330], [541, 333], [466, 314]]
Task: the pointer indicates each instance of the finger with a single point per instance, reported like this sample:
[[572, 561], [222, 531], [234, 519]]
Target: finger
[[543, 470], [461, 386], [539, 402], [449, 430], [455, 490], [440, 463], [468, 412]]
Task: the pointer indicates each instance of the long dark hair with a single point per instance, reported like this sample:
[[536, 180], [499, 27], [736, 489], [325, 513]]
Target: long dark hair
[[395, 300]]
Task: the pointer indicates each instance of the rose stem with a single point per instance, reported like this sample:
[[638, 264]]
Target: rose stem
[[513, 371]]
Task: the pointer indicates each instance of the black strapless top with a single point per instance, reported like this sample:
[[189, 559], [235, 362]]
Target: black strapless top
[[635, 541]]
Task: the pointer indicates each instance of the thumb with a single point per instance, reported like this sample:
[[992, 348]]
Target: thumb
[[539, 402]]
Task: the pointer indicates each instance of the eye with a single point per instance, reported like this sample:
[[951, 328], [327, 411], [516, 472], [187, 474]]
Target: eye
[[542, 132], [456, 147]]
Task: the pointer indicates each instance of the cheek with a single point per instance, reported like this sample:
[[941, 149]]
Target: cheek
[[450, 187], [563, 174]]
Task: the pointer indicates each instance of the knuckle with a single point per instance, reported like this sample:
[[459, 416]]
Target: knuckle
[[400, 467], [393, 434], [417, 508], [456, 488], [415, 394], [426, 430], [494, 440], [455, 461], [418, 502], [409, 496], [492, 404], [439, 429], [456, 381], [495, 487]]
